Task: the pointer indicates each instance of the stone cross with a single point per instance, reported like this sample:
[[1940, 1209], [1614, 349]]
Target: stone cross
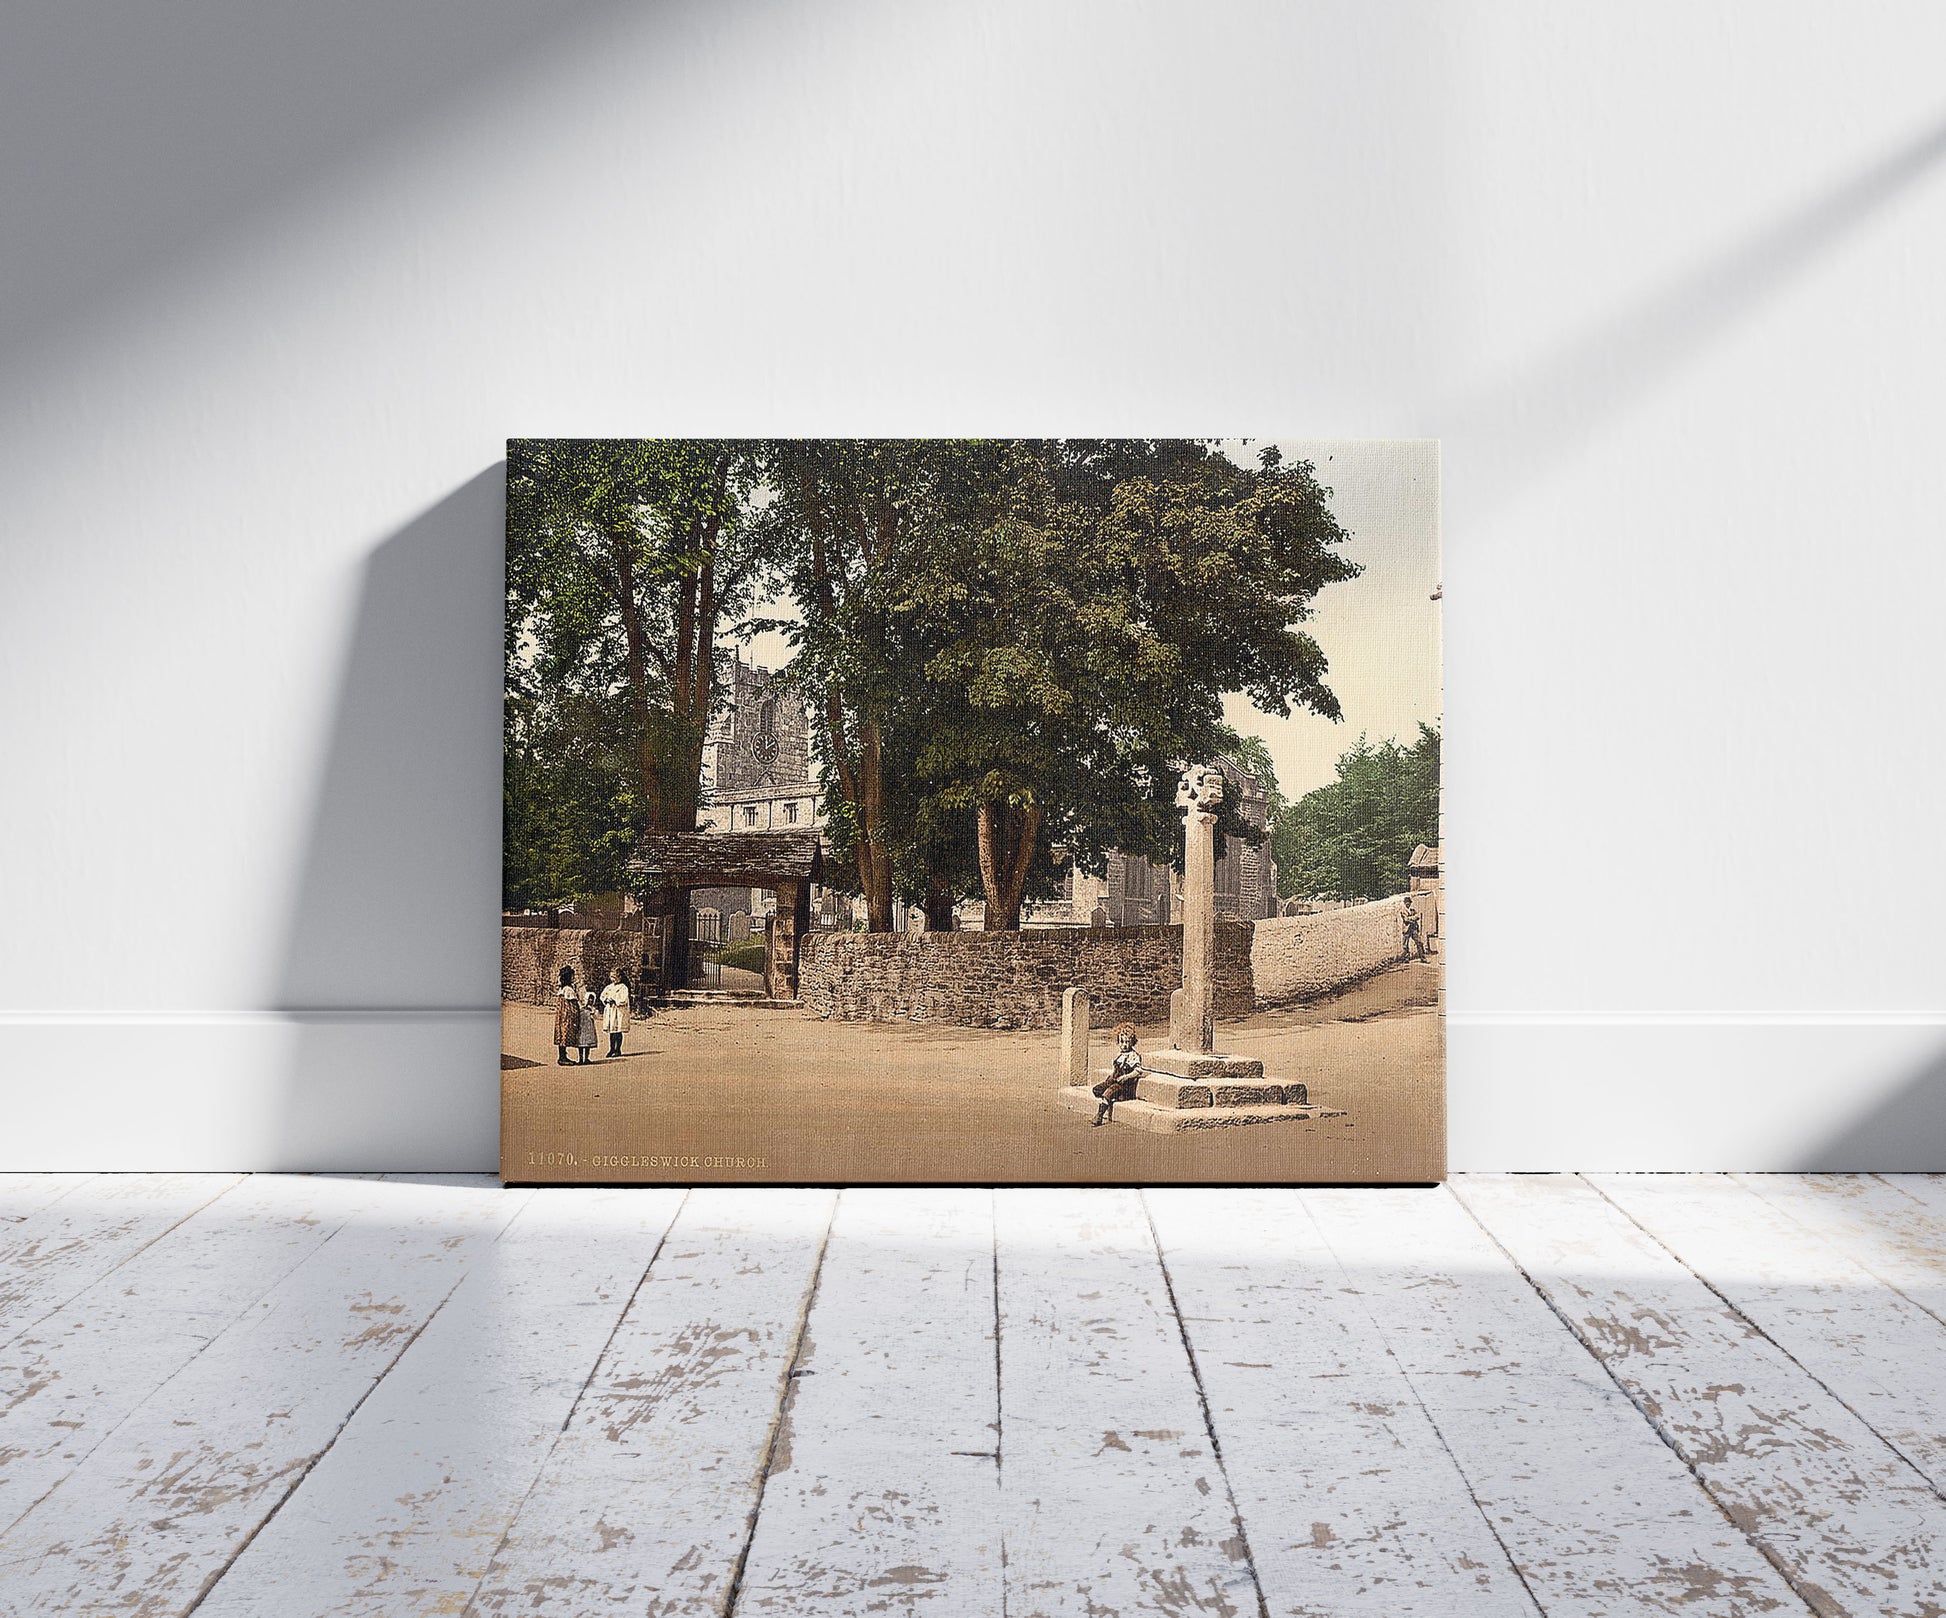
[[1192, 1008]]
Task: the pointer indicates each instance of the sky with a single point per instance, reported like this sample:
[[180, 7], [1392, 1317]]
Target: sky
[[1379, 631]]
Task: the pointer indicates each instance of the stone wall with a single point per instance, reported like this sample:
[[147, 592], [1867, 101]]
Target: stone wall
[[1012, 980], [1296, 958], [531, 959]]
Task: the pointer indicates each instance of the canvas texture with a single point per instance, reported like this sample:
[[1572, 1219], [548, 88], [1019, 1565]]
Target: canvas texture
[[972, 810]]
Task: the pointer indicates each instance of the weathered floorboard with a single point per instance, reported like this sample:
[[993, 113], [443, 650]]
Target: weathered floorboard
[[1598, 1515], [1351, 1502], [1874, 1349], [23, 1194], [647, 1501], [883, 1495], [1894, 1224], [66, 1245], [324, 1396], [1849, 1520], [403, 1514], [159, 1508], [73, 1377], [1113, 1499]]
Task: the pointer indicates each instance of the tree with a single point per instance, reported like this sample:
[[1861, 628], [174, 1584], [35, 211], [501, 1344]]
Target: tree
[[1083, 607], [625, 560], [1253, 754], [570, 810], [1012, 644], [855, 520], [1354, 838]]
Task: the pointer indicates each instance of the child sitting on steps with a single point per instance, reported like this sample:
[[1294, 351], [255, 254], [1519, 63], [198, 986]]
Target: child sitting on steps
[[1122, 1074]]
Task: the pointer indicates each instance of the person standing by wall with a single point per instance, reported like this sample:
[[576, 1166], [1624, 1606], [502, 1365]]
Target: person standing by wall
[[590, 1019], [567, 1016], [614, 1011], [1412, 933]]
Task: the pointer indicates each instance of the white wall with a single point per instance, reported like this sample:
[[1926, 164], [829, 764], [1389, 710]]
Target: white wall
[[278, 281]]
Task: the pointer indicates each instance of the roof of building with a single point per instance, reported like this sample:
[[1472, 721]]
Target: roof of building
[[1424, 861], [729, 859], [763, 792]]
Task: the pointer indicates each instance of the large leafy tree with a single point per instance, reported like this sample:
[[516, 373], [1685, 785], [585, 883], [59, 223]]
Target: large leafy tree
[[1081, 624], [571, 812], [627, 562], [1353, 838], [857, 521], [1011, 645]]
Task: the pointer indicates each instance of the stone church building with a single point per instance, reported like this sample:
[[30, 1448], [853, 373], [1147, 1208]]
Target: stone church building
[[757, 777]]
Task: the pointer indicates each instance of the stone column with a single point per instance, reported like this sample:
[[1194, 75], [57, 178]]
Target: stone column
[[1192, 1008], [1075, 1017], [792, 922]]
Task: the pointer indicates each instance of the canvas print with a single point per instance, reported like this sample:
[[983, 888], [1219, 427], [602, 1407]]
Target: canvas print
[[972, 810]]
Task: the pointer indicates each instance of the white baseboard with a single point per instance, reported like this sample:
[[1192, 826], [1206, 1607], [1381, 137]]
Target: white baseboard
[[1808, 1092], [379, 1090], [365, 1090]]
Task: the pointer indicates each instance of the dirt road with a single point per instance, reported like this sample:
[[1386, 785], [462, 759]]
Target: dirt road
[[803, 1101]]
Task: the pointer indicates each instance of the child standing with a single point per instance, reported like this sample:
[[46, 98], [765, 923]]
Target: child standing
[[567, 1014], [1122, 1074], [589, 1017], [614, 1011]]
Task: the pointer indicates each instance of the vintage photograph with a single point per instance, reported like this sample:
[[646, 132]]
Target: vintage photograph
[[972, 810]]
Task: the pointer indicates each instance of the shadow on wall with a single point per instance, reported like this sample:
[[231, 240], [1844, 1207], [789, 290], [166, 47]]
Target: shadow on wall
[[391, 958], [1904, 1134], [1549, 409], [133, 138]]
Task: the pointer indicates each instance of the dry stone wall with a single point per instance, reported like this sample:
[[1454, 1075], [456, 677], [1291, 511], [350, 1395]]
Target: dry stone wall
[[1012, 980], [531, 959], [1296, 958]]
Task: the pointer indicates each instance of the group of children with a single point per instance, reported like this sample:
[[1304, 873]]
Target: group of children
[[578, 1013]]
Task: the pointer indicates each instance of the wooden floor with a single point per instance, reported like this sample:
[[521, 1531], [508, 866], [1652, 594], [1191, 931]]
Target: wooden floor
[[1542, 1394]]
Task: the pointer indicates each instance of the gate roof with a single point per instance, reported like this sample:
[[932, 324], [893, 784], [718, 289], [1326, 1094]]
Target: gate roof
[[726, 859]]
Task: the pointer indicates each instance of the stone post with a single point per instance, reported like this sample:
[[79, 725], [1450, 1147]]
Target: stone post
[[1192, 1008], [1075, 1011], [793, 921]]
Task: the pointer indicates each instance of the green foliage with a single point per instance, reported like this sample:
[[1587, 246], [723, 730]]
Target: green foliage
[[1037, 633], [570, 810], [748, 957], [1353, 839], [1008, 645], [626, 560], [1254, 755]]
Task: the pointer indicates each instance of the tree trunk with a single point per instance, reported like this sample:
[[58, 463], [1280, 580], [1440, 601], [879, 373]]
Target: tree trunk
[[697, 686], [1008, 833], [991, 835], [875, 858], [860, 783], [635, 639], [939, 909]]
